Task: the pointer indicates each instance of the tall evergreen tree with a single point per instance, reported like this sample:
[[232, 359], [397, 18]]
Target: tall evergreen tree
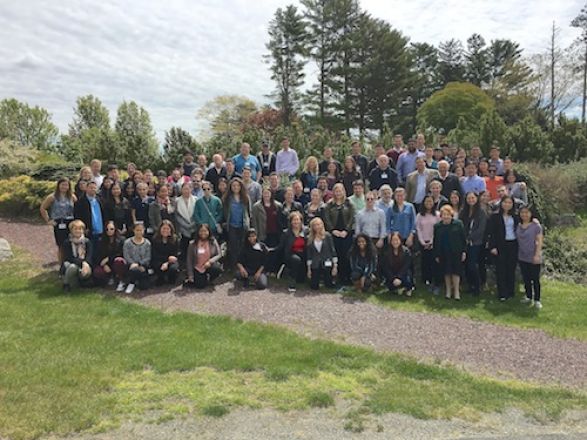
[[477, 67], [287, 50], [452, 66], [135, 134], [89, 112]]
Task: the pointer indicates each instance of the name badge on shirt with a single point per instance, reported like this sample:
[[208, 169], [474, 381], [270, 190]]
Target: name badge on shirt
[[257, 246], [384, 176], [149, 230], [201, 250], [328, 263], [266, 164], [306, 190], [62, 226], [359, 168]]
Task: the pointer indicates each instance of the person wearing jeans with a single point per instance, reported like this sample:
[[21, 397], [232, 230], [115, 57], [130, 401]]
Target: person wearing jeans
[[530, 238], [137, 254]]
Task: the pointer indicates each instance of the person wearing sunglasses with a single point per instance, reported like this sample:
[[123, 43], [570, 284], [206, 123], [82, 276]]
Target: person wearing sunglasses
[[492, 182], [208, 209]]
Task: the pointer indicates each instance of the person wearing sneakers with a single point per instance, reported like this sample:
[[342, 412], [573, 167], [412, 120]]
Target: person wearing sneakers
[[137, 253], [292, 250], [449, 249], [396, 266], [530, 238], [77, 257], [111, 266]]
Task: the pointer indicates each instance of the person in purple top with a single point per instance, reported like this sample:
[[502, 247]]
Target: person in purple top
[[530, 238], [287, 160]]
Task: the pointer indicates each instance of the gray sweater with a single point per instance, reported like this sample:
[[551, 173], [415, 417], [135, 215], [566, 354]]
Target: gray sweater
[[134, 253]]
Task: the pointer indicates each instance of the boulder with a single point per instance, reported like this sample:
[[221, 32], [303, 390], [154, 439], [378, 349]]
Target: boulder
[[5, 251]]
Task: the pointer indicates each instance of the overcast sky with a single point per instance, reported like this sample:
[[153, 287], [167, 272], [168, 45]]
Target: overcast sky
[[172, 56]]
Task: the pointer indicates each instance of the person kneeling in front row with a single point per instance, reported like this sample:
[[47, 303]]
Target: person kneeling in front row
[[202, 260], [397, 266], [363, 258], [251, 262], [164, 253], [137, 253], [77, 256]]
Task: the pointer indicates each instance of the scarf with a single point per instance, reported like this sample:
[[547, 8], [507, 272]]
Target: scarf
[[78, 247], [185, 210]]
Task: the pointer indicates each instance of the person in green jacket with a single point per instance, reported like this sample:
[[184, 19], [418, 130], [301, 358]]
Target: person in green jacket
[[208, 210], [449, 246]]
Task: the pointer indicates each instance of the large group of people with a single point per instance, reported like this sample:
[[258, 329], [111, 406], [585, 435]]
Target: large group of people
[[363, 221]]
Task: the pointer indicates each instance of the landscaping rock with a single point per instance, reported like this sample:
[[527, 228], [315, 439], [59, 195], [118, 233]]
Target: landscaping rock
[[5, 250]]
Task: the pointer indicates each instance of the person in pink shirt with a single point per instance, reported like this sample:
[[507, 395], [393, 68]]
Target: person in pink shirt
[[425, 221]]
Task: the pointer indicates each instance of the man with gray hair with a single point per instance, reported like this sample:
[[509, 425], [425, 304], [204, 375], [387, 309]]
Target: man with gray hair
[[382, 174], [450, 182], [246, 158]]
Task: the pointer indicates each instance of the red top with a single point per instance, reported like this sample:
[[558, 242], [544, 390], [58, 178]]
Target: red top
[[298, 245]]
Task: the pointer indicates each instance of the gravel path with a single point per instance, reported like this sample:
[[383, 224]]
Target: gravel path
[[496, 350], [328, 424]]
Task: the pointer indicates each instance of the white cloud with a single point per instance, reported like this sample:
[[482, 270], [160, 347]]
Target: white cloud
[[173, 56]]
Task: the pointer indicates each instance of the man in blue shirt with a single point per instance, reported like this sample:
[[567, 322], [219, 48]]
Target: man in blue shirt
[[472, 182], [89, 210], [245, 158], [407, 161]]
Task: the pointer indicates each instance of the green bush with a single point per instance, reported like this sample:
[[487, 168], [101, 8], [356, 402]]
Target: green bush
[[563, 259], [22, 195]]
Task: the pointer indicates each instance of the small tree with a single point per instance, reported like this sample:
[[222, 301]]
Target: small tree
[[529, 142], [492, 129]]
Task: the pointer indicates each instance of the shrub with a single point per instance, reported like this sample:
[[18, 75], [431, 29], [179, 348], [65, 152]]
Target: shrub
[[23, 195], [563, 259]]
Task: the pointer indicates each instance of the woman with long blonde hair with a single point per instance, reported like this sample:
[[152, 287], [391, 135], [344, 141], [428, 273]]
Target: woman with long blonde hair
[[321, 260], [310, 174]]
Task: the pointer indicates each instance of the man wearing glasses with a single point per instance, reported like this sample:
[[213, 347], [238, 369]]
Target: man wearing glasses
[[371, 221], [492, 182]]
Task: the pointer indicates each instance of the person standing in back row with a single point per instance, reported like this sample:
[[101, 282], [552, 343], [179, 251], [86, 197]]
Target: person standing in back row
[[361, 161], [287, 160]]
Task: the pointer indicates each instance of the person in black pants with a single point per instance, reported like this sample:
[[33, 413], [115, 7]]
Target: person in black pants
[[530, 238], [474, 220], [250, 266], [503, 246], [292, 250], [322, 261], [164, 250]]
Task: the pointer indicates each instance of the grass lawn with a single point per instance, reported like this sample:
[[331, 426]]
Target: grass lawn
[[564, 313], [86, 361]]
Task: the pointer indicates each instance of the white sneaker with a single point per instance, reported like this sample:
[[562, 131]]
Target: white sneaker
[[538, 304], [280, 271], [120, 287], [129, 289], [291, 289], [525, 300]]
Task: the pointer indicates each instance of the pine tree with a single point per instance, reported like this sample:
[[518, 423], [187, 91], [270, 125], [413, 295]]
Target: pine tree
[[477, 67], [452, 66], [287, 49]]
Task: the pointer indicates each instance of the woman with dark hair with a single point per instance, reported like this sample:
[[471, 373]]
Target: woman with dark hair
[[530, 238], [104, 192], [111, 265], [237, 214], [474, 220], [339, 220], [503, 245], [57, 211], [456, 202], [350, 174], [265, 219], [363, 261], [164, 253], [396, 266], [483, 169], [203, 258], [288, 206], [162, 208], [322, 261], [221, 187], [77, 257], [129, 190], [449, 250], [137, 254], [250, 265], [425, 221], [332, 175], [117, 209], [516, 189], [292, 250]]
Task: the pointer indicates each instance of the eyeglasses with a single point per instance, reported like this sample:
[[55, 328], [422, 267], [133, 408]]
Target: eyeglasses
[[492, 171], [207, 189], [370, 199]]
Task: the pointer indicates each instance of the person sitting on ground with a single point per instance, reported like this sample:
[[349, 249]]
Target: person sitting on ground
[[164, 254], [250, 265], [111, 266], [363, 259], [292, 250], [396, 266], [203, 258], [77, 251], [137, 254]]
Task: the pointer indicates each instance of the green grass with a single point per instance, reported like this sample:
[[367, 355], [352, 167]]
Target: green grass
[[88, 362], [578, 234], [564, 314]]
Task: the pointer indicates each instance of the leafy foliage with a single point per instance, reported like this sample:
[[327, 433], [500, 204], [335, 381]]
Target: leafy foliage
[[492, 129], [22, 195], [135, 137]]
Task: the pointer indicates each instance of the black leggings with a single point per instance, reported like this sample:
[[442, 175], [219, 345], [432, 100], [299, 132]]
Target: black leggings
[[531, 276], [201, 280], [296, 264], [505, 269], [342, 246], [321, 272]]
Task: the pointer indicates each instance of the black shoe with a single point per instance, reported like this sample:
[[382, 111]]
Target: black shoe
[[66, 288]]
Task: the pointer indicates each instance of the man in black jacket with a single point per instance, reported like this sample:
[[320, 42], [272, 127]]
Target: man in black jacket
[[450, 182], [89, 210]]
